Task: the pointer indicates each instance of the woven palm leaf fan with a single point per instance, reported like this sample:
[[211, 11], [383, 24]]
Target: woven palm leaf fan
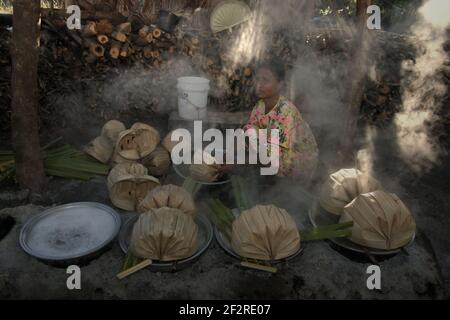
[[169, 196], [164, 234], [137, 142], [157, 162], [343, 186], [265, 233], [128, 184], [380, 220], [228, 14]]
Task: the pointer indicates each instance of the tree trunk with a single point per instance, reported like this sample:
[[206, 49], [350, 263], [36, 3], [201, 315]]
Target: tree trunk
[[24, 114], [356, 85]]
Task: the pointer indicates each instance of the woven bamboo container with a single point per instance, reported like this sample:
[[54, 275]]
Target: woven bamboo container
[[343, 186], [169, 196], [112, 129], [164, 234], [380, 220], [157, 162], [265, 233], [102, 147], [137, 142], [128, 184]]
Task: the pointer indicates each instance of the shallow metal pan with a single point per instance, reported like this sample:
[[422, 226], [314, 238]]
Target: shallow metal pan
[[73, 233]]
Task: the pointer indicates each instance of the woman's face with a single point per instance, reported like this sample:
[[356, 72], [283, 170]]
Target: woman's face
[[267, 84]]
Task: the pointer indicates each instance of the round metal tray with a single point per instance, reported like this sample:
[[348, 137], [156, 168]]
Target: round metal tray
[[205, 235], [70, 233], [183, 171], [226, 245], [320, 218]]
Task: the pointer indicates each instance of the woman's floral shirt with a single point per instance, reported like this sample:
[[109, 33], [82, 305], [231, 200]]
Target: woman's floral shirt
[[297, 145]]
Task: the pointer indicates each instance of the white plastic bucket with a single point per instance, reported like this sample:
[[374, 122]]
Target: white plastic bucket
[[192, 97]]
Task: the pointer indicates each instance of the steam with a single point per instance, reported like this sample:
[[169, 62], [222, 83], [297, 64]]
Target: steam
[[143, 88], [423, 88], [255, 36], [250, 43], [365, 157]]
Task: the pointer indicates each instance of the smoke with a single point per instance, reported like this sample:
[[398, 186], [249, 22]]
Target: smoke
[[423, 88], [256, 35], [147, 89], [318, 77], [316, 54], [365, 158]]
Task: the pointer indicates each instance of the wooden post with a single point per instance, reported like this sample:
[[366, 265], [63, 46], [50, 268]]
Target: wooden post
[[355, 86], [24, 110]]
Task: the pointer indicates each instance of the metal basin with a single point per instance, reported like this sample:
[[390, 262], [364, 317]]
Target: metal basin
[[73, 233]]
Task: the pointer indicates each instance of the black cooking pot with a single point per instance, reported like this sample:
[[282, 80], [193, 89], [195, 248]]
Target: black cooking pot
[[167, 20]]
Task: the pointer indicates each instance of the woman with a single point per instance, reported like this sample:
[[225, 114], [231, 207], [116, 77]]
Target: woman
[[297, 145]]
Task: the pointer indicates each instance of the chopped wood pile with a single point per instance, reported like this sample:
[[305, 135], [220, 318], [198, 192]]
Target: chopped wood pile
[[140, 64]]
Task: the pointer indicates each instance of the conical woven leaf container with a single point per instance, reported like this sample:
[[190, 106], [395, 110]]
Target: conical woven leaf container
[[208, 170], [343, 186], [164, 234], [112, 129], [265, 233], [167, 142], [128, 184], [157, 162], [380, 220], [169, 196], [100, 148], [137, 142]]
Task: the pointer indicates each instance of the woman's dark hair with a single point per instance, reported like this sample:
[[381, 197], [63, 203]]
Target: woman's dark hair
[[275, 66]]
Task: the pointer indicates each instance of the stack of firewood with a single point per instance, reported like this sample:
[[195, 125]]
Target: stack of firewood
[[104, 41]]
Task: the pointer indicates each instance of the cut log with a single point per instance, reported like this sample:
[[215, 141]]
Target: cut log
[[125, 50], [148, 52], [144, 31], [156, 33], [114, 51], [102, 39], [163, 44], [91, 58], [124, 27], [104, 26], [148, 38], [89, 30], [119, 36], [156, 54], [143, 41], [94, 47]]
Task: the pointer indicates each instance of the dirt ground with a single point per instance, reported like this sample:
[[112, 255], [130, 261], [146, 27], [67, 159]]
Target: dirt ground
[[320, 272]]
